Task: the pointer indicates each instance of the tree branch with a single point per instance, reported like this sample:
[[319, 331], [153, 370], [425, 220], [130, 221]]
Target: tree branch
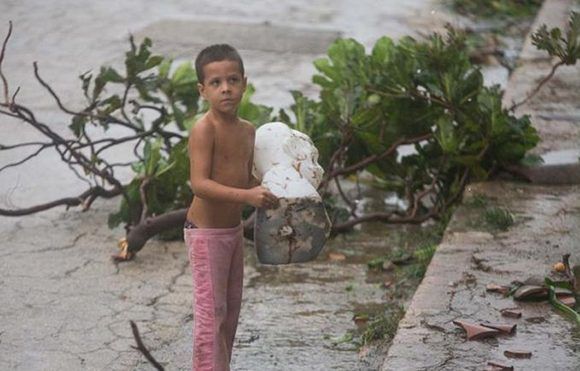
[[539, 87], [378, 157], [2, 54], [141, 347], [68, 202]]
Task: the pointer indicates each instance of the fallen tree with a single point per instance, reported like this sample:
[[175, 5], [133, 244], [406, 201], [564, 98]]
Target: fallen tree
[[413, 114]]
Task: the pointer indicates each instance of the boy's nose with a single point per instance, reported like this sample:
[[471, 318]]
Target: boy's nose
[[226, 87]]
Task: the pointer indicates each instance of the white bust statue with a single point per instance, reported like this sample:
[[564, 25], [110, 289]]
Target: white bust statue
[[285, 161]]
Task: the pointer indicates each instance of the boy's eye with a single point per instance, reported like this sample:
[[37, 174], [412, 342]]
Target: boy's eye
[[214, 83], [234, 80]]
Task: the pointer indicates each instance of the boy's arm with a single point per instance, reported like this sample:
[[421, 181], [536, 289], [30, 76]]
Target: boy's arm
[[200, 148]]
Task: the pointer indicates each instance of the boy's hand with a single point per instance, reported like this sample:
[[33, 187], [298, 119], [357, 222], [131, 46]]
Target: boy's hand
[[261, 197]]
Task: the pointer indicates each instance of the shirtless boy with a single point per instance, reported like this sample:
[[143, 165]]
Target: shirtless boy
[[221, 147]]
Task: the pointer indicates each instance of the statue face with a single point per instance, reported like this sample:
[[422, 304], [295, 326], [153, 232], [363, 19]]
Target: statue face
[[278, 146]]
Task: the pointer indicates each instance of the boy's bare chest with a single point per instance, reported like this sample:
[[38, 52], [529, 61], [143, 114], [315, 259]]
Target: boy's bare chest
[[233, 147]]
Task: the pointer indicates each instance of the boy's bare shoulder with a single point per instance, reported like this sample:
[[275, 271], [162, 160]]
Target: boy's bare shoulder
[[251, 129], [203, 127]]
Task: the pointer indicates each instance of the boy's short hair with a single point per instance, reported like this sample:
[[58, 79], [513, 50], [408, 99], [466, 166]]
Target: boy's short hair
[[216, 53]]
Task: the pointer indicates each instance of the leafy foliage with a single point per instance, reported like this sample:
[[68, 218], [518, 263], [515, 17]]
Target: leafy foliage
[[426, 93], [415, 114], [567, 48], [151, 83]]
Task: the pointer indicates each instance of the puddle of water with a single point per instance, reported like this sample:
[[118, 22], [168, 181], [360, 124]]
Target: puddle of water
[[567, 156]]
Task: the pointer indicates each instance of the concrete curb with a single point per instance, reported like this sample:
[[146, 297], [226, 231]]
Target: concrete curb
[[469, 257]]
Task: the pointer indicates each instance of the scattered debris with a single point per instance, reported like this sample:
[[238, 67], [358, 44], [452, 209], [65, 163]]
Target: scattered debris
[[493, 366], [511, 312], [124, 255], [505, 328], [475, 331], [559, 267], [531, 292], [521, 354], [143, 349], [568, 300], [492, 287]]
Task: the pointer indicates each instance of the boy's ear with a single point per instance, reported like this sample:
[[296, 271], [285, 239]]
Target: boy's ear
[[245, 82], [201, 89]]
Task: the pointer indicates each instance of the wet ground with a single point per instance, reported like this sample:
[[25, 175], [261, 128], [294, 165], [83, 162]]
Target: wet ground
[[473, 253], [66, 306]]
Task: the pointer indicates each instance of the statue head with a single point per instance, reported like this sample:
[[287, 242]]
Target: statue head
[[286, 161]]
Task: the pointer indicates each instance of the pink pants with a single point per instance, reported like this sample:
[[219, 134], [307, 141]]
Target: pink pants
[[217, 264]]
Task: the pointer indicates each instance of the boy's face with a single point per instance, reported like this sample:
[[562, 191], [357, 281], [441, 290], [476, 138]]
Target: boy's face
[[223, 85]]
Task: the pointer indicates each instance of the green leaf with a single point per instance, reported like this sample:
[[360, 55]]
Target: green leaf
[[446, 134], [78, 124], [164, 67], [106, 75], [184, 74], [382, 51], [153, 61], [152, 155]]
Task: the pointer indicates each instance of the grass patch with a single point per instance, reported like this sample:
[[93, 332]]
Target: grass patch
[[498, 218], [478, 200], [382, 327]]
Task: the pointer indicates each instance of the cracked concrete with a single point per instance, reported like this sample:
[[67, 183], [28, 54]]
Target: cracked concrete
[[546, 226]]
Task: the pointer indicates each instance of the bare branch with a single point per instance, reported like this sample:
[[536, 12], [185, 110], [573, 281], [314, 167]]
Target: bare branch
[[68, 202], [348, 201], [7, 147], [25, 159], [2, 53], [547, 78], [141, 347], [127, 124], [378, 157], [390, 218]]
